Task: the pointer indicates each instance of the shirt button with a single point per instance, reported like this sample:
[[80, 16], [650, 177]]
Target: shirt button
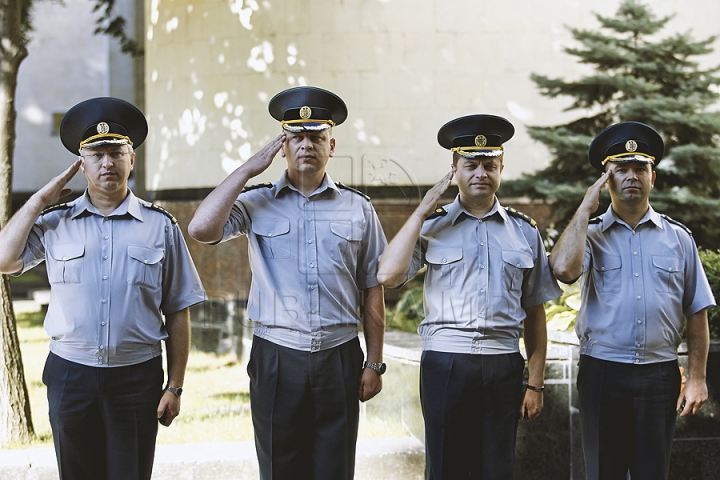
[[637, 274], [482, 290], [102, 323], [309, 219], [638, 297], [638, 345], [312, 287], [313, 311], [634, 253], [64, 258], [634, 232], [102, 348], [637, 361], [103, 300], [106, 237], [145, 261], [270, 234], [637, 354], [602, 268], [639, 322], [482, 244], [480, 221], [444, 260], [482, 267], [309, 241], [312, 265], [104, 257], [104, 277]]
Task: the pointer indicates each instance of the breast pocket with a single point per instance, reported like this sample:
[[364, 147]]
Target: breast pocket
[[343, 242], [65, 263], [445, 266], [515, 264], [668, 273], [607, 273], [273, 238], [144, 267]]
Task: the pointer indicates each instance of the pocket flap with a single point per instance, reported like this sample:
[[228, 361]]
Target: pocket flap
[[607, 262], [67, 251], [269, 228], [669, 264], [443, 255], [145, 254], [346, 230], [517, 259]]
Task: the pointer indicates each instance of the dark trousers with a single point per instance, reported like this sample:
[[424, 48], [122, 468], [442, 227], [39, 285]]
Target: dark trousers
[[627, 416], [103, 420], [305, 410], [471, 406]]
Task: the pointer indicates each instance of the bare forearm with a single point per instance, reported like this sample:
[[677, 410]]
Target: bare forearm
[[178, 346], [210, 217], [14, 235], [374, 323], [698, 343], [535, 335], [396, 259], [568, 254]]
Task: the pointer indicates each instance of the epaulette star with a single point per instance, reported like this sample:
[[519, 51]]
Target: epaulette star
[[675, 222], [439, 212], [519, 214], [160, 209], [255, 187], [343, 186], [59, 206]]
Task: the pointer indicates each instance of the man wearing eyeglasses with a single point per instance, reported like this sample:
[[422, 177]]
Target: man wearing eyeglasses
[[121, 282]]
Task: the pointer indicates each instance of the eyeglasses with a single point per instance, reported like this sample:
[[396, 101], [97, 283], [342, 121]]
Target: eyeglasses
[[97, 157]]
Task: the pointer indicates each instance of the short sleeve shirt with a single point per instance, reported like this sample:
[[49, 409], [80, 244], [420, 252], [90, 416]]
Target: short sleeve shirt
[[310, 257], [481, 274], [111, 279], [638, 286]]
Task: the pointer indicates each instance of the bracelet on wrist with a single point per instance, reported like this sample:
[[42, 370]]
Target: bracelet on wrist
[[534, 388]]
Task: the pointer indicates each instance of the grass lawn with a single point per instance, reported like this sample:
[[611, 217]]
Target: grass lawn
[[215, 401]]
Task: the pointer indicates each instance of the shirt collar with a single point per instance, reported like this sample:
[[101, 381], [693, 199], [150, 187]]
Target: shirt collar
[[284, 183], [456, 210], [609, 218], [131, 205]]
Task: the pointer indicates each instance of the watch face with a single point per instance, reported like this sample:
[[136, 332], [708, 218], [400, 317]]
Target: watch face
[[382, 369]]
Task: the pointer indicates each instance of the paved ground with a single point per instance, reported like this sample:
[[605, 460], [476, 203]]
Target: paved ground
[[377, 459]]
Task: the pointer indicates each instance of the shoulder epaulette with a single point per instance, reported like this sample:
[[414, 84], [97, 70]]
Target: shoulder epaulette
[[342, 185], [439, 212], [519, 214], [59, 206], [160, 209], [255, 187], [595, 220], [673, 221]]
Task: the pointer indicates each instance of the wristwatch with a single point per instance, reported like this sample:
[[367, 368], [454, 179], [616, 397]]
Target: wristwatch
[[378, 367], [176, 390]]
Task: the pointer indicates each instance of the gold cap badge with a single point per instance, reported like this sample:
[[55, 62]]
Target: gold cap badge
[[631, 145], [480, 141], [103, 128], [305, 112]]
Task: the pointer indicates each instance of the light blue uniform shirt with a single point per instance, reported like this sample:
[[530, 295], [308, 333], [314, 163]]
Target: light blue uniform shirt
[[111, 280], [481, 273], [310, 258], [638, 285]]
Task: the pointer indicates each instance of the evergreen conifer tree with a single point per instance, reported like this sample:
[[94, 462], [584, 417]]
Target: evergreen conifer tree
[[637, 76]]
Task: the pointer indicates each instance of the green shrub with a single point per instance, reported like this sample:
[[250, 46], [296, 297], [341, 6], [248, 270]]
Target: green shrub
[[711, 262]]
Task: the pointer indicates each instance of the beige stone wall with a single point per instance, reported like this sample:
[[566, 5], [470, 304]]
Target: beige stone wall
[[404, 68]]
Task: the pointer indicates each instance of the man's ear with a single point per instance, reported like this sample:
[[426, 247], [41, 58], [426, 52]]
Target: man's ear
[[332, 146], [282, 150]]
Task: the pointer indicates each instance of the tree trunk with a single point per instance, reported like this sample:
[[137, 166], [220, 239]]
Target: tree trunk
[[15, 420]]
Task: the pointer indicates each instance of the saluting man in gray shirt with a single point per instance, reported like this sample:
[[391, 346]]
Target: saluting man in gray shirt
[[486, 281], [121, 281], [642, 280], [313, 249]]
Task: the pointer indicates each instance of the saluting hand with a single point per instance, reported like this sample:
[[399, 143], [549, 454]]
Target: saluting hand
[[55, 188], [259, 162], [431, 198], [591, 202]]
